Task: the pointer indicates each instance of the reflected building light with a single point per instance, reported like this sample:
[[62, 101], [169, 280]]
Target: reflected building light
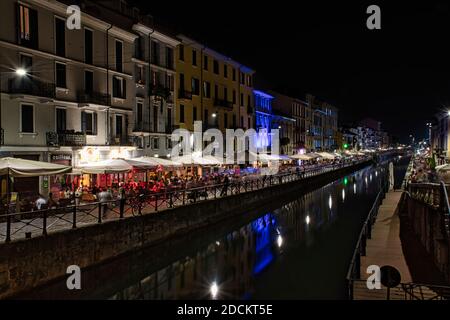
[[218, 243], [343, 194], [279, 241], [366, 180], [354, 188], [308, 220], [370, 178], [376, 174], [214, 290], [330, 202]]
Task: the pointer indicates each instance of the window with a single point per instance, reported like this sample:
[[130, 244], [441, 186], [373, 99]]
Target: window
[[234, 74], [155, 53], [225, 71], [169, 82], [249, 101], [119, 88], [181, 81], [216, 67], [119, 126], [249, 122], [225, 121], [169, 143], [234, 121], [139, 112], [249, 80], [242, 122], [242, 78], [206, 120], [194, 114], [140, 75], [234, 96], [181, 52], [194, 57], [61, 79], [242, 99], [195, 86], [28, 27], [225, 93], [60, 37], [205, 63], [60, 120], [88, 46], [155, 143], [181, 113], [169, 58], [88, 81], [207, 89], [89, 123], [119, 56], [27, 118]]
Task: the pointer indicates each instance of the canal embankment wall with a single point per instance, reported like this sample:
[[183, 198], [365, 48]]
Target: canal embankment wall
[[29, 263]]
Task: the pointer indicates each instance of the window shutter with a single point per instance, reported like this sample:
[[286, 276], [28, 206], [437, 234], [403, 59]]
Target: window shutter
[[95, 123], [83, 122], [124, 94]]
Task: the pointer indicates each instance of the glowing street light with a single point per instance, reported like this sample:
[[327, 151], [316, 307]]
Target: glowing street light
[[21, 72], [214, 290], [214, 115]]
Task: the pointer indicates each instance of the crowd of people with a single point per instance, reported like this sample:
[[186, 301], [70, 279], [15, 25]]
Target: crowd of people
[[423, 170]]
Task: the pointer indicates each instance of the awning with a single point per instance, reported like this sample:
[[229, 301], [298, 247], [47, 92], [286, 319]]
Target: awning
[[264, 157], [112, 166], [303, 157], [314, 155], [198, 160], [17, 167], [159, 162], [327, 155]]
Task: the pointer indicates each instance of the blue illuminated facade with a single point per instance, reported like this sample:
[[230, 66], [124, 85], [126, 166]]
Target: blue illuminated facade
[[264, 118]]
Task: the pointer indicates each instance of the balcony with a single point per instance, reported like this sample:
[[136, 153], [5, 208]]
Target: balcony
[[185, 95], [66, 139], [94, 98], [223, 103], [32, 87], [141, 127], [124, 141], [160, 91]]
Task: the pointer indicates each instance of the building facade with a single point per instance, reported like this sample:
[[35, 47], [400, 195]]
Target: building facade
[[68, 96], [212, 88], [323, 121]]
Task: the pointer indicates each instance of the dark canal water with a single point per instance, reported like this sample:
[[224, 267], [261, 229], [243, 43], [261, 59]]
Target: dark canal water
[[297, 250]]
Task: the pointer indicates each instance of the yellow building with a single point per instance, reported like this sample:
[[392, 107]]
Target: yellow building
[[212, 88]]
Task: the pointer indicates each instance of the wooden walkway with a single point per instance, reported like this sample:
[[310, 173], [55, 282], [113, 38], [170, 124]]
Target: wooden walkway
[[385, 248]]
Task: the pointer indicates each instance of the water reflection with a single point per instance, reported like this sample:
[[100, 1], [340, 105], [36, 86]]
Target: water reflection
[[232, 266]]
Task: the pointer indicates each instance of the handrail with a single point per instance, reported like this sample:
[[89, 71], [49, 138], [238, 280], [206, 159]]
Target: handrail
[[73, 215]]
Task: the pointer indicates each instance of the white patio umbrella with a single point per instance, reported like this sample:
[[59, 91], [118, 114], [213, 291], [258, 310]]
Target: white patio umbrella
[[303, 157], [159, 162], [16, 167], [112, 166], [326, 155], [198, 160]]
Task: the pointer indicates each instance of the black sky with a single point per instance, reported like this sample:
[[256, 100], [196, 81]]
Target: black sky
[[399, 75]]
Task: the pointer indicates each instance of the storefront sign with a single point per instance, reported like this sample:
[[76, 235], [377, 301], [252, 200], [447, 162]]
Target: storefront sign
[[61, 157]]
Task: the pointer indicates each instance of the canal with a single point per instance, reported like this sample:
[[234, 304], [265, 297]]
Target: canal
[[295, 250]]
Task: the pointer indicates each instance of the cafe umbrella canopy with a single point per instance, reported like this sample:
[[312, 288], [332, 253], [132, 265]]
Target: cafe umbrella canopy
[[22, 168]]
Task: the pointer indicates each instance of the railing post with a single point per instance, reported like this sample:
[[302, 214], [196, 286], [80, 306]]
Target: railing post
[[99, 213], [8, 228], [44, 223], [74, 216]]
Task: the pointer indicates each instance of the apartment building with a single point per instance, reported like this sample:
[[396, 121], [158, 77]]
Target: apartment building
[[212, 88], [324, 124], [294, 110], [67, 96], [155, 74]]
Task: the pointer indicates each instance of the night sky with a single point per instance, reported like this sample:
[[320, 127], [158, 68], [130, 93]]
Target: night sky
[[398, 75]]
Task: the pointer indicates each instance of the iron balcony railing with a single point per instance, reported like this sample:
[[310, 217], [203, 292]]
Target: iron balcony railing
[[184, 94], [32, 87], [94, 98], [160, 91], [223, 103], [70, 214], [66, 139], [125, 141]]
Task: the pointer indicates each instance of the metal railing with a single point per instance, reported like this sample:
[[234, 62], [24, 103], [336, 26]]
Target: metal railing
[[354, 270], [24, 225]]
